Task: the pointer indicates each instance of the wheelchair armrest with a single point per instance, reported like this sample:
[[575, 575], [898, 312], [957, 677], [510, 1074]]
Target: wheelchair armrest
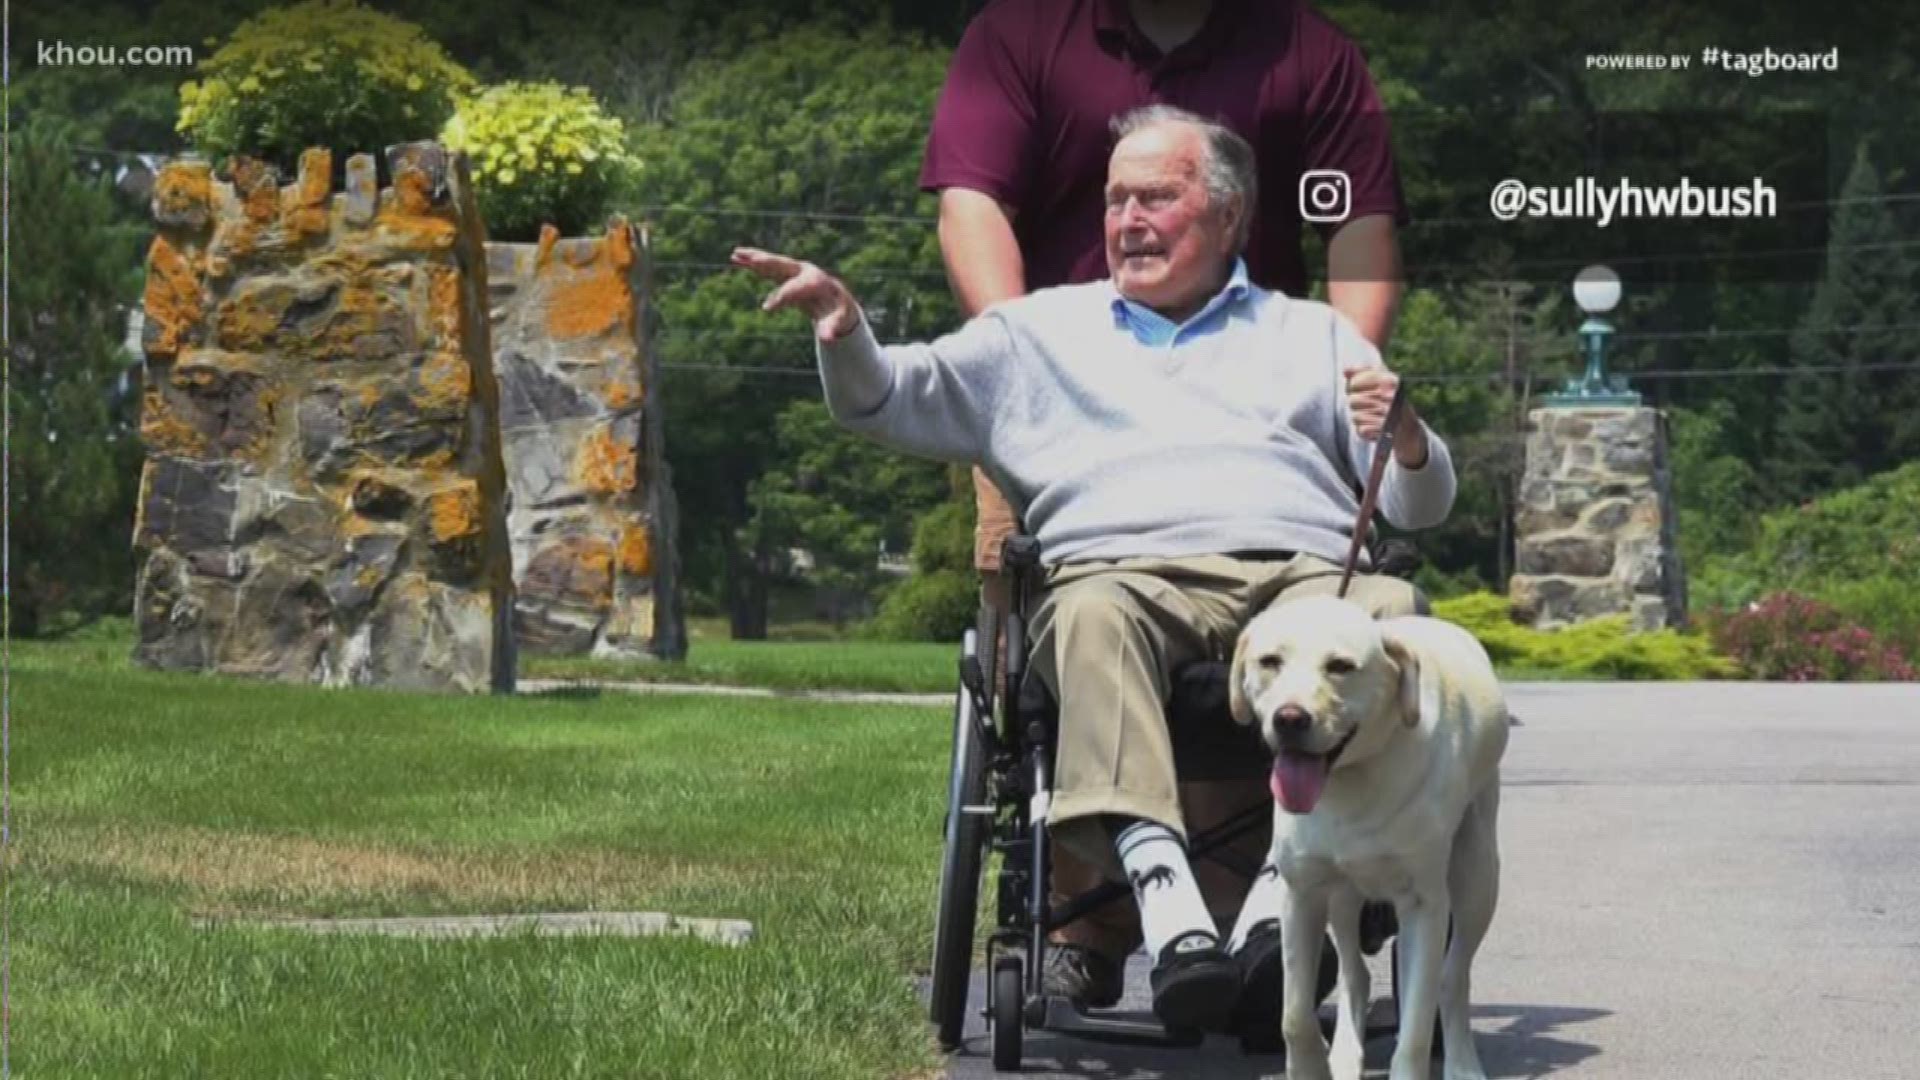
[[1399, 557], [1019, 553]]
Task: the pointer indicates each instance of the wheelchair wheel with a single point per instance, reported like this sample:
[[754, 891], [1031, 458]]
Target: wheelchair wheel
[[1009, 999], [958, 900]]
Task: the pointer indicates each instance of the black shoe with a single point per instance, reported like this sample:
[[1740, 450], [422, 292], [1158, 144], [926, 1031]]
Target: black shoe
[[1262, 981], [1263, 985], [1378, 922], [1084, 977], [1195, 983]]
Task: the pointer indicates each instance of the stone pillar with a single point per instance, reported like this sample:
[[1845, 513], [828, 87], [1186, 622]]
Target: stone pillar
[[592, 517], [1595, 527], [323, 498]]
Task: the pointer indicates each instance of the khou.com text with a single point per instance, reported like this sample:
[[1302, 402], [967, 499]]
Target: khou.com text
[[61, 54]]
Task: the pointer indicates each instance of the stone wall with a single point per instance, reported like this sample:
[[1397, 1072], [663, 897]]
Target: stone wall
[[323, 498], [1595, 525], [592, 512]]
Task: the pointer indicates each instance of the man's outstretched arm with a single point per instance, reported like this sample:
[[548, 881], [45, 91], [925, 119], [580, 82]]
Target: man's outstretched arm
[[933, 399]]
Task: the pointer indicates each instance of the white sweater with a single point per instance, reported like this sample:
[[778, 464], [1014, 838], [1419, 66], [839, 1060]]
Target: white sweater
[[1239, 439]]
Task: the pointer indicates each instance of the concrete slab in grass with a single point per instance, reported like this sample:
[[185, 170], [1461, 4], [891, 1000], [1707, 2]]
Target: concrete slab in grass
[[618, 923]]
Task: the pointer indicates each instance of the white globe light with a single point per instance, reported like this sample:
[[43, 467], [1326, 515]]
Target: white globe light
[[1596, 289]]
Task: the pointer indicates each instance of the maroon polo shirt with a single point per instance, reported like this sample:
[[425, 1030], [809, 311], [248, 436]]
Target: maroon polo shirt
[[1034, 84]]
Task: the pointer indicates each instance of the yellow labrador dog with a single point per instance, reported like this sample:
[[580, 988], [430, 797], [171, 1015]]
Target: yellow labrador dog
[[1387, 739]]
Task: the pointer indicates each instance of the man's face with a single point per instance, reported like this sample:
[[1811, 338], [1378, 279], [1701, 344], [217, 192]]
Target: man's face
[[1166, 248]]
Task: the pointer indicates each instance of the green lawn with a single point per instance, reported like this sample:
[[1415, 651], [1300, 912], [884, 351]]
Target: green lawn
[[806, 659], [802, 659], [142, 799]]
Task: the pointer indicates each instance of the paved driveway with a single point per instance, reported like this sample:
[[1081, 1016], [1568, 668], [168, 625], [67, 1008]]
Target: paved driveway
[[1701, 881]]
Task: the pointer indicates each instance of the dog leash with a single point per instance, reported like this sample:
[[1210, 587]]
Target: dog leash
[[1375, 474]]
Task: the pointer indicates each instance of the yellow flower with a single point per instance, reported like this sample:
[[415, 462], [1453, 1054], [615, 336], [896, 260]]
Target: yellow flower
[[249, 84], [507, 175], [415, 82], [573, 168]]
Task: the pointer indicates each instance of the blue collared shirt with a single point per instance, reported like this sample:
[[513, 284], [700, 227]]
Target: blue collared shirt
[[1152, 328]]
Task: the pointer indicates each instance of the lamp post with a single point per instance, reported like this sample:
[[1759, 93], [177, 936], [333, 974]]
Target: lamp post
[[1597, 290]]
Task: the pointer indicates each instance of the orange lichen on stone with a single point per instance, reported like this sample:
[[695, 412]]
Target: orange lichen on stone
[[621, 392], [445, 381], [316, 177], [619, 244], [606, 466], [308, 221], [411, 191], [409, 216], [248, 322], [636, 550], [306, 206], [544, 253], [182, 188], [172, 300], [593, 304], [164, 432], [596, 559], [454, 512], [443, 304], [259, 192]]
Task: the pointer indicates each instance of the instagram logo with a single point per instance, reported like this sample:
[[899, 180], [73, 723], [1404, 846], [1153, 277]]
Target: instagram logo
[[1325, 195]]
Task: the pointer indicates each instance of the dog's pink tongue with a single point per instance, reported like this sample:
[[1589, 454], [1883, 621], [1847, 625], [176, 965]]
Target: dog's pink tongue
[[1298, 780]]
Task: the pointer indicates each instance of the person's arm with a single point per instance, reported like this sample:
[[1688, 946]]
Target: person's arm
[[983, 259], [1347, 130], [1418, 489], [1363, 276], [933, 399]]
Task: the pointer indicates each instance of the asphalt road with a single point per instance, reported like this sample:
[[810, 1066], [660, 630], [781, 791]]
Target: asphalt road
[[1700, 881]]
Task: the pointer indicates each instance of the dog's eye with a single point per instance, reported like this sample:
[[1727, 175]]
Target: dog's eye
[[1340, 665], [1270, 663]]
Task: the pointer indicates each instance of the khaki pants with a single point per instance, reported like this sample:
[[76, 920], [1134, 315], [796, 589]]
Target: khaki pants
[[1121, 628]]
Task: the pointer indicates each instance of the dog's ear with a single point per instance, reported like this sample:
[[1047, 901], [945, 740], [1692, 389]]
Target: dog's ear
[[1237, 702], [1408, 663]]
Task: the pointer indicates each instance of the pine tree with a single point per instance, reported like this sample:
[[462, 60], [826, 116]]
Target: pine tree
[[1839, 421], [75, 266]]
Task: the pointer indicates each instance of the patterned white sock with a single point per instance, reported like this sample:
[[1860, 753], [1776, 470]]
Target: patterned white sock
[[1262, 903], [1163, 884]]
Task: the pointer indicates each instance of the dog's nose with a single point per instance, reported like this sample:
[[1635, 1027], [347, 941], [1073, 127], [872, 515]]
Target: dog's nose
[[1291, 719]]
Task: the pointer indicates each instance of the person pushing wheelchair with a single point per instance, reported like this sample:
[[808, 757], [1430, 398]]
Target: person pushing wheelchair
[[1186, 447]]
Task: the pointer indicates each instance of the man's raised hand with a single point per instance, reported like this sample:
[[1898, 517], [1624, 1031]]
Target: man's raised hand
[[834, 311]]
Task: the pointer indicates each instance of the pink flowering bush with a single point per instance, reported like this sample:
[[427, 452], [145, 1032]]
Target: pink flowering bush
[[1791, 637]]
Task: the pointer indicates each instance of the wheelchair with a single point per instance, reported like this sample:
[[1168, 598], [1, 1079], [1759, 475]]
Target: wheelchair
[[1000, 777]]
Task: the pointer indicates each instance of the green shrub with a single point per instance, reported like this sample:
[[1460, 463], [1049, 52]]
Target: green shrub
[[937, 606], [324, 73], [1608, 647], [1857, 550], [542, 153]]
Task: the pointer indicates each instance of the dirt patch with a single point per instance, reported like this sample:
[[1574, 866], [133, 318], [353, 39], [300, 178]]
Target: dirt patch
[[238, 873]]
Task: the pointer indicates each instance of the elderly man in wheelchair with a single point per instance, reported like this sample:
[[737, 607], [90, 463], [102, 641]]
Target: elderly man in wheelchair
[[1185, 449]]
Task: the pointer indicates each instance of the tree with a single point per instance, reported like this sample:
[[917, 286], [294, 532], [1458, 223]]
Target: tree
[[74, 457], [1836, 424], [806, 141], [842, 498], [942, 596]]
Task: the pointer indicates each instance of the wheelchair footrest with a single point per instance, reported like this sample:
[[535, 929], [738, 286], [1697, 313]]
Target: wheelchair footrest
[[1064, 1017]]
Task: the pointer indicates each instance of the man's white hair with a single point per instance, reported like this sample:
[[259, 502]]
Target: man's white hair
[[1228, 171]]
